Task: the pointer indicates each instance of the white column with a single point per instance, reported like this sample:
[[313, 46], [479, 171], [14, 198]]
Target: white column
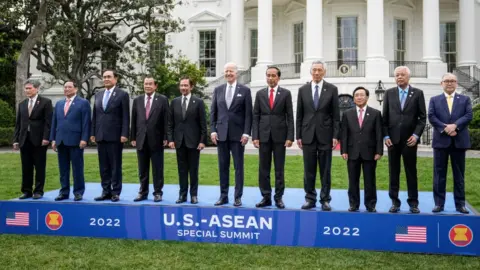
[[265, 28], [431, 39], [466, 27], [313, 36], [237, 32], [376, 64]]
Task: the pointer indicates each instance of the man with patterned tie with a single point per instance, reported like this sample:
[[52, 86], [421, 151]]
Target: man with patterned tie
[[231, 123], [69, 135], [361, 147], [110, 125], [404, 118], [272, 132], [318, 131], [449, 113], [32, 131], [149, 136]]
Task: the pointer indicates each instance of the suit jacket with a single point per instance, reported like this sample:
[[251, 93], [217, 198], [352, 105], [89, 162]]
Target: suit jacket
[[113, 122], [155, 127], [74, 127], [39, 121], [193, 129], [365, 141], [400, 124], [231, 123], [322, 123], [439, 115], [276, 123]]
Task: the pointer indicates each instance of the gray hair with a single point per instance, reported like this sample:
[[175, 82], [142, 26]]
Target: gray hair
[[235, 67], [400, 68], [449, 74], [318, 62], [35, 83]]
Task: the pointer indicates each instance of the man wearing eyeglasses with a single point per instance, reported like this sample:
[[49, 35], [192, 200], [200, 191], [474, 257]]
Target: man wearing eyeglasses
[[449, 113]]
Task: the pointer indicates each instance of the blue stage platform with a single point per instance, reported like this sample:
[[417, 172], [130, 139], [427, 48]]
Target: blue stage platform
[[446, 233]]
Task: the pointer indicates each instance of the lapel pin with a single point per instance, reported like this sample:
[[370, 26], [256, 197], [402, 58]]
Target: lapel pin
[[38, 102], [193, 101], [73, 104], [114, 93], [368, 114], [239, 95], [156, 99]]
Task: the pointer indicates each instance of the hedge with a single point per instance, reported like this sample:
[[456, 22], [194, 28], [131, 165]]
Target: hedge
[[475, 138], [7, 116], [6, 136]]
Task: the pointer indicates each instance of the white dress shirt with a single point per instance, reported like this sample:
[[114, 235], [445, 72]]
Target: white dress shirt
[[188, 99], [71, 101], [151, 100], [275, 90], [320, 89]]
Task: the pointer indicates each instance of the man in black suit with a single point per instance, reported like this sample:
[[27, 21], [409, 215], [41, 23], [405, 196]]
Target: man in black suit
[[231, 123], [272, 132], [404, 118], [32, 132], [110, 125], [318, 128], [362, 146], [187, 132], [149, 136]]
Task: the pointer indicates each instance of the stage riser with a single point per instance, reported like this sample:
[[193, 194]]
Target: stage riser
[[365, 231]]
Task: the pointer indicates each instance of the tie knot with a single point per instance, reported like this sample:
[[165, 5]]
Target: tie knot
[[316, 87], [149, 97], [361, 110], [272, 90], [450, 96]]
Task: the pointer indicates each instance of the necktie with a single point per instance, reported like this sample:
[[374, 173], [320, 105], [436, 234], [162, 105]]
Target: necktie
[[315, 97], [184, 107], [404, 95], [271, 98], [360, 118], [30, 107], [229, 96], [105, 99], [147, 107], [450, 103], [67, 106]]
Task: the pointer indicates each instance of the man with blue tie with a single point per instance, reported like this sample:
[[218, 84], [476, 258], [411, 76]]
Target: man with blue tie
[[449, 113], [69, 136], [110, 128]]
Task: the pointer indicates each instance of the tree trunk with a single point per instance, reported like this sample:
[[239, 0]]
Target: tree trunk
[[27, 47]]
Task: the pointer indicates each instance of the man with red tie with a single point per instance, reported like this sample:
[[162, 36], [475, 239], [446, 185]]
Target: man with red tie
[[272, 132]]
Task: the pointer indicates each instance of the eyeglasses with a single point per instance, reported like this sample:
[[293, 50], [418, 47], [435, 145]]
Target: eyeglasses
[[450, 81]]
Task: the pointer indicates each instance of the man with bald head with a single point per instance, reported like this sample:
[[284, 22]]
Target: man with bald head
[[449, 113], [404, 118], [231, 123]]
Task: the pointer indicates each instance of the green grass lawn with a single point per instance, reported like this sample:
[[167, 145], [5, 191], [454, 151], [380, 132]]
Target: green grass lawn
[[28, 252]]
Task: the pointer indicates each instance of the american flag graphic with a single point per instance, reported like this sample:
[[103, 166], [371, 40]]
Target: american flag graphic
[[411, 234], [18, 219]]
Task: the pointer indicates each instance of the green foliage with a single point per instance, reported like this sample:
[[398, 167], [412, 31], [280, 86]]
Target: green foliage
[[6, 136], [475, 138], [475, 123], [7, 93], [7, 116]]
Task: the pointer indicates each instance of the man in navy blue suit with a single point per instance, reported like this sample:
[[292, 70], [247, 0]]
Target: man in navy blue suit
[[69, 135], [110, 128], [231, 123], [449, 114]]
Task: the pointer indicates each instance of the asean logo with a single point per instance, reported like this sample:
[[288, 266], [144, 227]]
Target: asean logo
[[54, 220], [461, 235]]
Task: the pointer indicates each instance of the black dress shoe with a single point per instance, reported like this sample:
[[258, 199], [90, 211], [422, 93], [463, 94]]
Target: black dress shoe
[[414, 209], [181, 199], [353, 209], [462, 210], [326, 206], [37, 196], [394, 209], [238, 202], [264, 202], [194, 200], [371, 210], [279, 204], [61, 197], [78, 197], [308, 205], [157, 198], [115, 198], [140, 197], [103, 197], [25, 196], [221, 201], [437, 209]]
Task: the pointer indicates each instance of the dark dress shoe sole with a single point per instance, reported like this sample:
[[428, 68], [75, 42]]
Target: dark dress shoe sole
[[140, 199], [78, 199], [308, 206], [23, 197]]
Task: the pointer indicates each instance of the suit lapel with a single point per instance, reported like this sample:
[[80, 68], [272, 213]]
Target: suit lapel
[[321, 95], [455, 104], [410, 94], [154, 104], [443, 100], [35, 105], [191, 103], [277, 97], [72, 106], [237, 89], [112, 98], [354, 118], [366, 117], [100, 100], [309, 97]]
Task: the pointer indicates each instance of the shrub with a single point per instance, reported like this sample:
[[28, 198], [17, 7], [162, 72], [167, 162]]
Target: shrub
[[6, 136], [475, 123], [7, 116], [475, 138]]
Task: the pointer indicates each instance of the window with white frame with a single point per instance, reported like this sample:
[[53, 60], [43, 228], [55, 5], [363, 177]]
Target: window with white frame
[[207, 52], [399, 40], [347, 40], [253, 47], [448, 44], [298, 45], [158, 50]]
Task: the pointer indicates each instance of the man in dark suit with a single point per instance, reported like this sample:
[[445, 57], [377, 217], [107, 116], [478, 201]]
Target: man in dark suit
[[149, 136], [187, 132], [272, 132], [318, 130], [69, 135], [362, 146], [231, 123], [449, 113], [110, 125], [404, 118], [32, 131]]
